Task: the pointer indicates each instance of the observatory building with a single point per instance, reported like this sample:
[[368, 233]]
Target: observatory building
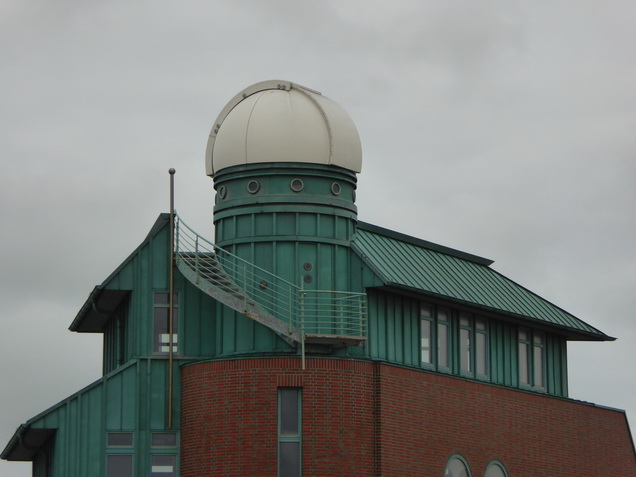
[[302, 341]]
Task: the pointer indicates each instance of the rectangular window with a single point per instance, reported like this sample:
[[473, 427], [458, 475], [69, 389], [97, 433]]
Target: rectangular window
[[538, 341], [120, 439], [164, 440], [465, 343], [531, 345], [289, 432], [473, 346], [163, 465], [435, 336], [454, 342], [426, 316], [119, 465], [162, 323], [119, 459], [481, 348], [163, 458], [443, 335]]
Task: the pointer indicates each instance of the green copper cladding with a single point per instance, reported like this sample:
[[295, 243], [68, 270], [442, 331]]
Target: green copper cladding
[[295, 220]]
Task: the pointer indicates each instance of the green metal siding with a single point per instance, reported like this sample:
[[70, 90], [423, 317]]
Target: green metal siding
[[403, 262], [393, 328], [131, 399], [394, 336]]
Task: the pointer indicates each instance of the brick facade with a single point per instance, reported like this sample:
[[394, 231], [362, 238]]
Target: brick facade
[[364, 418]]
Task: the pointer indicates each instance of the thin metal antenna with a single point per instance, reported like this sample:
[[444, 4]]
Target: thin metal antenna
[[171, 171]]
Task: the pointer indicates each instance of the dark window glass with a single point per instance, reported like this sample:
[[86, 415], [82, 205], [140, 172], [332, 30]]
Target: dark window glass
[[538, 365], [480, 354], [120, 465], [426, 341], [495, 470], [289, 412], [289, 432], [164, 439], [524, 378], [162, 299], [163, 465], [443, 334], [464, 338], [120, 439], [531, 358], [456, 468], [442, 345], [162, 324], [289, 459]]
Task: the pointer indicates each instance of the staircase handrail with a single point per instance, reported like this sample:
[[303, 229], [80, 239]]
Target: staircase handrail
[[317, 311]]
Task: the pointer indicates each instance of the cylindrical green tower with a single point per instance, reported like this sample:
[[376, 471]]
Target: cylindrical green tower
[[284, 161]]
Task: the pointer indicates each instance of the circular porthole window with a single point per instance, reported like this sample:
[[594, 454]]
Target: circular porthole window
[[296, 185], [336, 189], [307, 278], [253, 187], [308, 266], [222, 192]]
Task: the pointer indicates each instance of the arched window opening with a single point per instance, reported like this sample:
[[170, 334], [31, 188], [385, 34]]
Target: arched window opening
[[496, 469], [457, 467]]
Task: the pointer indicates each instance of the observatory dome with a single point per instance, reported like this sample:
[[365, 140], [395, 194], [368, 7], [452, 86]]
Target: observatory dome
[[279, 121]]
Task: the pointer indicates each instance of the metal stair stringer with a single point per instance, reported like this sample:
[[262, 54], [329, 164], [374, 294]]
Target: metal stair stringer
[[204, 271]]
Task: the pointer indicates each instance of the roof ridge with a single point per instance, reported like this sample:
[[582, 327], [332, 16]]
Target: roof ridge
[[376, 229]]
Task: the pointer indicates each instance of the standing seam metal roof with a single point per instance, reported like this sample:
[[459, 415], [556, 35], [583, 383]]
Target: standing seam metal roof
[[424, 267]]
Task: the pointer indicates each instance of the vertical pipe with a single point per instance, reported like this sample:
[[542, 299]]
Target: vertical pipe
[[171, 171]]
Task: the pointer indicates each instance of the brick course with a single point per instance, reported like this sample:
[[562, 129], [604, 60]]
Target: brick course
[[365, 419]]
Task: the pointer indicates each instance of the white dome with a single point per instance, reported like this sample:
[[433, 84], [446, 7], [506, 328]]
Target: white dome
[[278, 121]]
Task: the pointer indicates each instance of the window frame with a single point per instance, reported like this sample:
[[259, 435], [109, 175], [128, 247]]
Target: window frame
[[474, 349], [434, 323], [496, 463], [164, 450], [297, 437], [120, 450], [157, 344], [534, 349], [462, 460]]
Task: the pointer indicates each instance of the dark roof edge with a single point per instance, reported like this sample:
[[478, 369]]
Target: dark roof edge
[[573, 334], [161, 222], [19, 449], [598, 332], [15, 439], [424, 244], [4, 455]]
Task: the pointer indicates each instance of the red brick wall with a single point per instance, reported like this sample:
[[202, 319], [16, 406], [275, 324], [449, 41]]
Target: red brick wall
[[362, 418]]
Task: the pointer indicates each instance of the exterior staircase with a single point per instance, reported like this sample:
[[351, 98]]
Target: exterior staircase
[[298, 316]]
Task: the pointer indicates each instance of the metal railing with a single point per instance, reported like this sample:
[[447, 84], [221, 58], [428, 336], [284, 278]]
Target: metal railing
[[248, 286]]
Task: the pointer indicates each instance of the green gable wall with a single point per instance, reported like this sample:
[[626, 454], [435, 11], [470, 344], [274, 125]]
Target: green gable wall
[[132, 399]]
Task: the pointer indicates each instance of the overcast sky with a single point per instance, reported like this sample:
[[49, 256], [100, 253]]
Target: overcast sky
[[504, 129]]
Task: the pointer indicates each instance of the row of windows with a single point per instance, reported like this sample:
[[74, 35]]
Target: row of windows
[[451, 342], [457, 467], [458, 342], [120, 454]]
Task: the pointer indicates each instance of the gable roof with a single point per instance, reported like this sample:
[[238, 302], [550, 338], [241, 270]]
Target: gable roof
[[102, 302], [423, 267]]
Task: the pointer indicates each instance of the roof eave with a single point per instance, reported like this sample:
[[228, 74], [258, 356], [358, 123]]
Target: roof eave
[[25, 443], [571, 334], [93, 315], [97, 310]]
